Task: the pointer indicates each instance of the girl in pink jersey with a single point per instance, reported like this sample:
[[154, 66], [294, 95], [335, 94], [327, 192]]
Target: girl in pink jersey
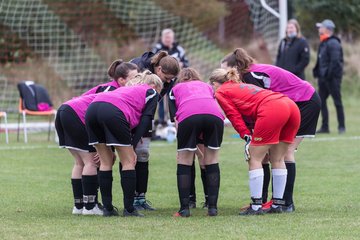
[[301, 92], [192, 104], [110, 120], [120, 72], [70, 126]]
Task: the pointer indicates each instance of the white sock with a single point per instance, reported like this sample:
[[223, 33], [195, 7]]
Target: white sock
[[279, 182], [256, 181]]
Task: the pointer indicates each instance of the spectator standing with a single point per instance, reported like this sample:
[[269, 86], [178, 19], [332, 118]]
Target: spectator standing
[[293, 52], [329, 70]]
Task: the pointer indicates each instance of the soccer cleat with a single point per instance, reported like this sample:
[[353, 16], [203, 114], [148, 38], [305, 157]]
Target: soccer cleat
[[288, 209], [134, 213], [273, 209], [205, 204], [212, 212], [182, 213], [94, 211], [192, 204], [77, 211], [251, 211], [110, 213], [143, 204]]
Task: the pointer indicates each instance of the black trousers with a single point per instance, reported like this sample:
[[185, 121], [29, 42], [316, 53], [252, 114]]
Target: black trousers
[[331, 87]]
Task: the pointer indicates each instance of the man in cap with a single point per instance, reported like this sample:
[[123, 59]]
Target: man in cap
[[329, 70]]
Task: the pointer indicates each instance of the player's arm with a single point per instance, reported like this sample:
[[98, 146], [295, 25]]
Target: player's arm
[[147, 116], [172, 106], [232, 114]]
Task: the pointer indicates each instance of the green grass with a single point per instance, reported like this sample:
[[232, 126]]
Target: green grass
[[36, 197]]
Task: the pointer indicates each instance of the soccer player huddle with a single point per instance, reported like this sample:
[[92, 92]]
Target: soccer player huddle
[[270, 108]]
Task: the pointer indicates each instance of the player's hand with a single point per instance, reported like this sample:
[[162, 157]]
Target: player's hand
[[96, 159], [247, 139]]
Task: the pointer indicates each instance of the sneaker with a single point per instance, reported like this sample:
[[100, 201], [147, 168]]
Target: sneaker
[[288, 209], [143, 204], [251, 211], [77, 211], [323, 130], [182, 213], [113, 212], [94, 211], [134, 213], [273, 209], [266, 206], [212, 212], [192, 204]]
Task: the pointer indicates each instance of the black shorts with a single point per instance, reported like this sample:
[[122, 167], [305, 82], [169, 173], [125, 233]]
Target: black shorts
[[71, 131], [207, 127], [107, 124], [309, 111]]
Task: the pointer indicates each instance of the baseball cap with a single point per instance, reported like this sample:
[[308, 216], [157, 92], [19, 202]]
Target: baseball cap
[[327, 23]]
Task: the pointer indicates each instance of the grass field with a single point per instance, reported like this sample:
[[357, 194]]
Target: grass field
[[36, 196]]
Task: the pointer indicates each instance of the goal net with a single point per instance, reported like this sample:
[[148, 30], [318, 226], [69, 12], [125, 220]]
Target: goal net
[[67, 45]]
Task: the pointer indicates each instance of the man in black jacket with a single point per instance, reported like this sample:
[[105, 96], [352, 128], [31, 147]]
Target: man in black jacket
[[329, 71], [293, 52]]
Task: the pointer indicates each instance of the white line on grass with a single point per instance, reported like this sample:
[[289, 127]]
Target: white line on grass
[[29, 147]]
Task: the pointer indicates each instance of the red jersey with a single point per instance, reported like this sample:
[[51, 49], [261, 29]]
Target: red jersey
[[240, 102]]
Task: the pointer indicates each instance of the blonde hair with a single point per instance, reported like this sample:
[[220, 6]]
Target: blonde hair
[[239, 59], [188, 74], [145, 77], [221, 76], [297, 26]]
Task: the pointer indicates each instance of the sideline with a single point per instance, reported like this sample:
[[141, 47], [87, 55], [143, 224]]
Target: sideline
[[164, 144]]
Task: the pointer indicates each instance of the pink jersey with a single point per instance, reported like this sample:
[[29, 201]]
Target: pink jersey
[[284, 82], [105, 87], [194, 97], [130, 100], [80, 105]]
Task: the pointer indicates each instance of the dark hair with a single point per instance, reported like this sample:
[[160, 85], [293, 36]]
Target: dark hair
[[120, 69], [188, 74], [239, 59], [168, 64]]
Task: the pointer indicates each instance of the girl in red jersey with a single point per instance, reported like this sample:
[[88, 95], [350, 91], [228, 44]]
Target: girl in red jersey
[[277, 120], [192, 103]]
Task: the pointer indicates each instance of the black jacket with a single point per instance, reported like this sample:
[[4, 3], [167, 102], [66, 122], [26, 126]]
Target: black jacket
[[293, 55], [176, 51], [330, 62]]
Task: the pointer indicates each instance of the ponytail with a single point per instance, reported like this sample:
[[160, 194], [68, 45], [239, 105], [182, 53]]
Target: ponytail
[[221, 76], [239, 59], [120, 69], [112, 68], [168, 64], [155, 60]]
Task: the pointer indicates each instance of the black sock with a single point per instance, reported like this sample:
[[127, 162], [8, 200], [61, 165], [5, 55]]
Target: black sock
[[105, 183], [89, 183], [77, 192], [290, 181], [184, 185], [203, 179], [142, 176], [97, 186], [213, 184], [192, 195], [265, 190], [128, 184]]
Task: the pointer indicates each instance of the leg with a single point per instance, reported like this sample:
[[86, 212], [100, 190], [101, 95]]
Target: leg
[[212, 179], [184, 160], [200, 155], [324, 94], [142, 175], [105, 177], [192, 196], [76, 182], [279, 173], [128, 179], [256, 178], [291, 171], [335, 91]]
